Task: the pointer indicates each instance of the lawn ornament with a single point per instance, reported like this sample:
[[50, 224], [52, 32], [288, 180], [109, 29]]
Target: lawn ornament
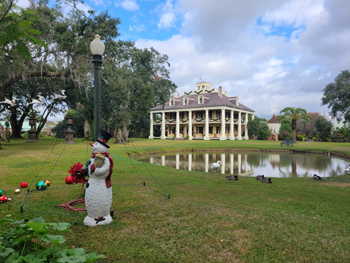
[[4, 199], [59, 96], [17, 191], [38, 101], [11, 102], [0, 192], [98, 193], [68, 179], [78, 174], [47, 182], [41, 186], [232, 178], [215, 166], [316, 177], [347, 170], [260, 177], [265, 180], [24, 185]]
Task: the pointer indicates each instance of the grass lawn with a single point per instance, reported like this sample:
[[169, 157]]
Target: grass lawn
[[207, 218]]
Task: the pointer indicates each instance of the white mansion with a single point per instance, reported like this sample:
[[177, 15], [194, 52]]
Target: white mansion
[[204, 113]]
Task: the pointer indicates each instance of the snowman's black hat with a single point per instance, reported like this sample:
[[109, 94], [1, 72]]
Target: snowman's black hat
[[103, 138]]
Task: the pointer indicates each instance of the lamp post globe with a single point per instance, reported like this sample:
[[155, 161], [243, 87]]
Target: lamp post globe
[[97, 48]]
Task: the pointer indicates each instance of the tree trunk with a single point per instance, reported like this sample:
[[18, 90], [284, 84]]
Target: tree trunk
[[87, 130], [16, 126], [294, 128], [125, 133], [42, 124], [118, 137]]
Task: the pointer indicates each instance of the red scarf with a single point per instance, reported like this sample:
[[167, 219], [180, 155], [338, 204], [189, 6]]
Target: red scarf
[[108, 178]]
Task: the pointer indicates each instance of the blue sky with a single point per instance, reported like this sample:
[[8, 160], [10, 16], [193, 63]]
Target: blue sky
[[271, 54]]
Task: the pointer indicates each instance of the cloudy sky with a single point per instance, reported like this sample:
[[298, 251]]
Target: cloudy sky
[[271, 53]]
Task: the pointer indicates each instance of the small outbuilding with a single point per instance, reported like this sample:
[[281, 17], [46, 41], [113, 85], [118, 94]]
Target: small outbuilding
[[274, 125]]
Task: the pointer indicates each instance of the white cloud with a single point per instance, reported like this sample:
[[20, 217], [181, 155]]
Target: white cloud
[[130, 5], [137, 28], [167, 20], [221, 42], [23, 3], [168, 14]]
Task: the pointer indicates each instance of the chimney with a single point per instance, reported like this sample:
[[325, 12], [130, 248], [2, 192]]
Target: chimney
[[237, 101], [176, 94], [220, 91]]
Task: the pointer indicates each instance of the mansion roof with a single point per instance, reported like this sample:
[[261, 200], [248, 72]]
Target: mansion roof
[[210, 100]]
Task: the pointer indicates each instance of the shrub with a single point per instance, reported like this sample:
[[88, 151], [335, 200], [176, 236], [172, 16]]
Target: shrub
[[25, 135], [323, 128], [264, 133], [29, 241]]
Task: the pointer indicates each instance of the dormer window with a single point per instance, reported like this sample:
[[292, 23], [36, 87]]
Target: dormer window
[[185, 101], [200, 99], [172, 102]]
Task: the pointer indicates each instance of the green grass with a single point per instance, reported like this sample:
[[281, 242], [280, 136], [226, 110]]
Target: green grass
[[207, 219]]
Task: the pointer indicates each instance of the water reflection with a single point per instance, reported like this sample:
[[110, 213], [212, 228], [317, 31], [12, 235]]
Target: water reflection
[[252, 164]]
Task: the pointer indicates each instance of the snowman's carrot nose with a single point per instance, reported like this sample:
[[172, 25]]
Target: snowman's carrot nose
[[91, 144]]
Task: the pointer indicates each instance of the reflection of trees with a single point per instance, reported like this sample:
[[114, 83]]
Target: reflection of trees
[[320, 163], [285, 160], [253, 159]]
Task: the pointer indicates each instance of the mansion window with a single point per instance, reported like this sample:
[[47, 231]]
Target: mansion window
[[199, 114], [200, 100], [217, 129], [199, 129], [217, 114], [172, 130], [182, 115], [181, 129], [235, 116], [172, 115], [185, 101], [210, 129]]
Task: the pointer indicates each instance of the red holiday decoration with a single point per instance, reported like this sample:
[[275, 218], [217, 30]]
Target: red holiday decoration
[[78, 173], [24, 185], [69, 179], [4, 199], [47, 183]]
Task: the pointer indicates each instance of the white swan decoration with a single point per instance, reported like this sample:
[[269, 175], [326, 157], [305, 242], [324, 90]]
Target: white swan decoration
[[215, 166], [11, 102], [60, 97], [38, 101]]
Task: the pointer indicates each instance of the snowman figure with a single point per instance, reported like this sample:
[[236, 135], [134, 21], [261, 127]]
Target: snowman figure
[[98, 193]]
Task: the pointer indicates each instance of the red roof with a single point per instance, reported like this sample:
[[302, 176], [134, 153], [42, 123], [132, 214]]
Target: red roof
[[273, 119]]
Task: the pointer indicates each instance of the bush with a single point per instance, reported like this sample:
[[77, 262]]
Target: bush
[[30, 241], [286, 126], [323, 128], [25, 135], [265, 132]]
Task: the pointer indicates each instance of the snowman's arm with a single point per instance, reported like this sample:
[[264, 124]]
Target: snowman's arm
[[103, 169]]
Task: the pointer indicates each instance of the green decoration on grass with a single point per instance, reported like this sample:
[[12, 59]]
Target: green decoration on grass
[[41, 186]]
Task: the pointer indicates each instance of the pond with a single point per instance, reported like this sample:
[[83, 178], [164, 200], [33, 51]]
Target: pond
[[255, 163]]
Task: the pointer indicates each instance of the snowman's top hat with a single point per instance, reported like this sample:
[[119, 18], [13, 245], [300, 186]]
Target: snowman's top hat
[[103, 138]]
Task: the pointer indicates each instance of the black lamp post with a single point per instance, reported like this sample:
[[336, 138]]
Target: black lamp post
[[97, 48]]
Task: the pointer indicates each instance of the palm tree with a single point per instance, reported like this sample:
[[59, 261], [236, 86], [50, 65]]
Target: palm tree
[[293, 114]]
